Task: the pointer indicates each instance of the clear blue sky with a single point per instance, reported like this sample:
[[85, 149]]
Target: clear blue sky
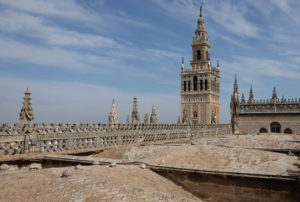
[[75, 56]]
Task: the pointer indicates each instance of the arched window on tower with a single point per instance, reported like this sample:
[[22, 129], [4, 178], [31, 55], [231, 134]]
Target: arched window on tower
[[201, 85], [195, 83], [189, 85], [206, 84], [184, 86], [198, 54], [207, 55], [195, 115]]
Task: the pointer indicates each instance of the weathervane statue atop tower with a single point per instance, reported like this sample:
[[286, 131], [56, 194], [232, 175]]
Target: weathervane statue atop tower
[[201, 10]]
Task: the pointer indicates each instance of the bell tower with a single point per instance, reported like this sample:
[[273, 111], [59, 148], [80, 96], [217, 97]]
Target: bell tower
[[200, 85]]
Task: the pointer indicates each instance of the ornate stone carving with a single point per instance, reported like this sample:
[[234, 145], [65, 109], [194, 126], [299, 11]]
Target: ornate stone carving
[[153, 117], [184, 116], [26, 114], [113, 116], [146, 118], [135, 114], [213, 118], [127, 119], [234, 107]]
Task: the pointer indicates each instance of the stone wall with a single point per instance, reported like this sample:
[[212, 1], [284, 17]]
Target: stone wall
[[249, 123], [70, 137], [264, 116]]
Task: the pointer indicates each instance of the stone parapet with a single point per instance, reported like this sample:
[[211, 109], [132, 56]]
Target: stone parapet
[[70, 137], [269, 107]]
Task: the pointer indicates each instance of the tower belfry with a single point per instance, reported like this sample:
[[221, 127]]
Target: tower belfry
[[200, 85]]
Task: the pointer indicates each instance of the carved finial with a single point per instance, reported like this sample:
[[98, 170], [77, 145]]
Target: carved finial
[[153, 117], [235, 86], [251, 97], [184, 117], [243, 99], [235, 95], [113, 116], [146, 118], [218, 65], [182, 61], [27, 92], [135, 114], [26, 114], [282, 99], [274, 96]]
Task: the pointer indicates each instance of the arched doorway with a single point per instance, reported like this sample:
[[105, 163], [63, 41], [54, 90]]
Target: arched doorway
[[275, 127], [263, 130], [288, 131]]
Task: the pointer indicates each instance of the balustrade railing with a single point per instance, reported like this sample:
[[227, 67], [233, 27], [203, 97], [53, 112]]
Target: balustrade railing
[[69, 137]]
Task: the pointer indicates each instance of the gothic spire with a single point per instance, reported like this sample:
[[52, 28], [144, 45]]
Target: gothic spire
[[234, 107], [282, 99], [153, 117], [235, 95], [113, 116], [235, 86], [251, 97], [135, 116], [26, 114], [182, 64], [274, 96], [146, 118], [243, 99], [127, 119]]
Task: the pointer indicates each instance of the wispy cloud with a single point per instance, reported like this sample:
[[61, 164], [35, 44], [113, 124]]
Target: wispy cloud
[[66, 9], [53, 44], [225, 13], [233, 18], [259, 66], [56, 57], [40, 28]]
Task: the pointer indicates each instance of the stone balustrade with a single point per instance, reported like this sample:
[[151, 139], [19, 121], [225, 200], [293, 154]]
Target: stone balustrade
[[15, 139], [258, 107]]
